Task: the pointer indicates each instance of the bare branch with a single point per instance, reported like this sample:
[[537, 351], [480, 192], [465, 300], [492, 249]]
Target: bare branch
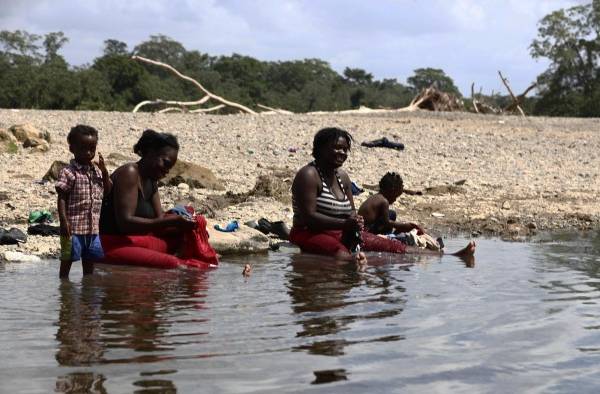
[[211, 109], [515, 100], [473, 100], [196, 83], [168, 102], [275, 110]]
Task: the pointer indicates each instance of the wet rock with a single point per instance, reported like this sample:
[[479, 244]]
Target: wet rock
[[532, 226], [245, 240], [193, 175]]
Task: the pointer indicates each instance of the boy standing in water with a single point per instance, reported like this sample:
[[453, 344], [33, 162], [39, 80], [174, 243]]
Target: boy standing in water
[[379, 219], [80, 187]]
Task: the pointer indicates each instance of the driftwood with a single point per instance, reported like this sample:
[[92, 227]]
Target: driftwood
[[181, 104], [515, 101], [433, 99], [271, 111], [208, 95]]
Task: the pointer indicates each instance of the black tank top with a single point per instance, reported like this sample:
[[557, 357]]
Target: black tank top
[[144, 208]]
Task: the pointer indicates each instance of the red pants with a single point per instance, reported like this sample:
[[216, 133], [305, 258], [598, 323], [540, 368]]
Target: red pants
[[329, 242], [157, 251]]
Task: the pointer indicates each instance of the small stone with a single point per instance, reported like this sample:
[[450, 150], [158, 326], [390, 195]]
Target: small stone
[[531, 225], [505, 205], [437, 215], [183, 187]]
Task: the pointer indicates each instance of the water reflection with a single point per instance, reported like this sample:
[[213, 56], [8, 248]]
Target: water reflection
[[328, 297], [125, 316], [81, 382]]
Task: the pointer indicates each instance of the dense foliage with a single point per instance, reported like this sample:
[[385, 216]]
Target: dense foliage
[[570, 39], [33, 74]]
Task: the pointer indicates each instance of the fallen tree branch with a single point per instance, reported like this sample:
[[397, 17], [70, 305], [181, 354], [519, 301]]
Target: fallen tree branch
[[168, 102], [197, 84], [515, 101], [171, 109], [211, 109], [274, 110], [520, 97], [473, 100]]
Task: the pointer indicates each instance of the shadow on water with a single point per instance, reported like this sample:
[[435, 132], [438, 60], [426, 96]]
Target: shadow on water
[[126, 312]]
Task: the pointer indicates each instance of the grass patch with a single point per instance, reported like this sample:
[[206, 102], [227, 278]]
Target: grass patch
[[12, 148]]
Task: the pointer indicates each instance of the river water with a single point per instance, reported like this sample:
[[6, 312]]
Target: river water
[[524, 317]]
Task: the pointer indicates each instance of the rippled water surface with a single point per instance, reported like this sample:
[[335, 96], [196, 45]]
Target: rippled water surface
[[524, 317]]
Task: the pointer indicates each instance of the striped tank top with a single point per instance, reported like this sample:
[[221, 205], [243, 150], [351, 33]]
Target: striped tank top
[[327, 203]]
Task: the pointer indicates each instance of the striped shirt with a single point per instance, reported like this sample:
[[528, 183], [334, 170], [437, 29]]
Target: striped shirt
[[327, 203], [84, 188]]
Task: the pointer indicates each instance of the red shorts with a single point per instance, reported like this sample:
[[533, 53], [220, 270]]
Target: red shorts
[[329, 242]]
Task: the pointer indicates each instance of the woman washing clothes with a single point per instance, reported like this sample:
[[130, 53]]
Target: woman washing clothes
[[325, 219], [134, 230]]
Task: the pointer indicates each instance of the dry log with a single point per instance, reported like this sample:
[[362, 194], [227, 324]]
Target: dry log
[[515, 101], [171, 109], [433, 99], [211, 109], [168, 102], [210, 95], [273, 110], [473, 99]]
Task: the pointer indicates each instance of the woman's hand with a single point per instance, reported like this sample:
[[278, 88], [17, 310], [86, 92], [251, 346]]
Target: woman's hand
[[183, 224], [354, 222]]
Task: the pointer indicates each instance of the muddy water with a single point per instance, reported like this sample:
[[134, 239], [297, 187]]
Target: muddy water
[[523, 317]]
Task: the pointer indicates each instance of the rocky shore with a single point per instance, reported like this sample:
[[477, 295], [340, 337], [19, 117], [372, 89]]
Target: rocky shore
[[470, 174]]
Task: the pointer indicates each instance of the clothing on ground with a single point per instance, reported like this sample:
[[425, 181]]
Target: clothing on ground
[[383, 143], [45, 230]]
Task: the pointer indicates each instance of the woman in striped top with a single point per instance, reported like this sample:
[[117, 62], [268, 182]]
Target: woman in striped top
[[325, 219]]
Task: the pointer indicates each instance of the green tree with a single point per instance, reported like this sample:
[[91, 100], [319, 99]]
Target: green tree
[[425, 77], [570, 39], [52, 44], [115, 47]]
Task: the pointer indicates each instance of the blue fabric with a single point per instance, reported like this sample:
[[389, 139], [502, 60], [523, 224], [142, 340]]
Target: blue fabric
[[231, 227], [356, 190], [86, 247], [181, 211]]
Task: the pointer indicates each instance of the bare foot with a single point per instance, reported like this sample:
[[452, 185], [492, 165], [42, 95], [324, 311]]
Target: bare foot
[[360, 258], [467, 251]]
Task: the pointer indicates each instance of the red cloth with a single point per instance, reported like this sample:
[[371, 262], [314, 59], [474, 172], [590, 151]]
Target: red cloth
[[157, 251], [329, 242]]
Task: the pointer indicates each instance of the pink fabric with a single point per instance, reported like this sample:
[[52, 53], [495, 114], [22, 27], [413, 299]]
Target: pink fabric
[[157, 251]]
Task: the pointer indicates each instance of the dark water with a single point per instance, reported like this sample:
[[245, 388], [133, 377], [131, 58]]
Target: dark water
[[524, 318]]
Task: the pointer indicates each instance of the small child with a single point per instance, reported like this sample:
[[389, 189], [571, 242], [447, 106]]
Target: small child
[[379, 218], [80, 187]]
